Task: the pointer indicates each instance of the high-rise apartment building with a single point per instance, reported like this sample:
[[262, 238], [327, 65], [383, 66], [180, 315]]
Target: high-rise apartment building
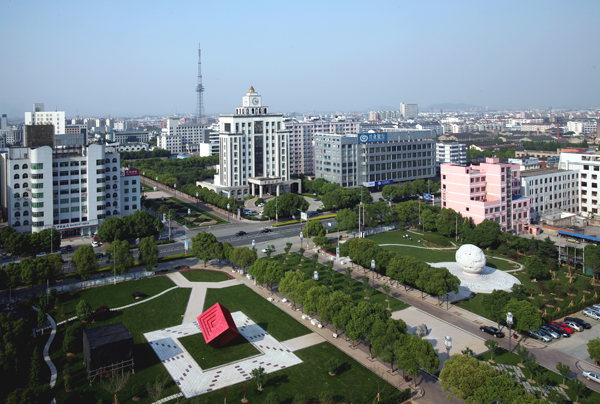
[[409, 110], [254, 152], [41, 117], [450, 152], [490, 190]]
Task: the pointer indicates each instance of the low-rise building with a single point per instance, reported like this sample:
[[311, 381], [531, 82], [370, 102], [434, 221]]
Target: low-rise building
[[588, 166], [450, 152], [551, 191]]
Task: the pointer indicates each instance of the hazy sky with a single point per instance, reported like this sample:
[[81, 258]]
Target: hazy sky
[[140, 57]]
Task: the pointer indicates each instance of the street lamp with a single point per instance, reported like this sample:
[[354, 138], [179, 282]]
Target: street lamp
[[448, 344], [169, 224], [189, 217], [447, 298], [301, 237], [509, 321], [175, 188], [227, 209], [197, 200], [253, 245], [373, 270]]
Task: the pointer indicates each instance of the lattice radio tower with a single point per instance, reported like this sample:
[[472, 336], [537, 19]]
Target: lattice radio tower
[[200, 118]]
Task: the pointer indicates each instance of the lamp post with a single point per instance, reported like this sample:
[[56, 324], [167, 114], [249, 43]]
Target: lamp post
[[189, 217], [509, 321], [447, 298], [197, 200], [228, 211], [448, 344], [253, 245], [373, 270], [175, 189], [169, 224], [301, 236]]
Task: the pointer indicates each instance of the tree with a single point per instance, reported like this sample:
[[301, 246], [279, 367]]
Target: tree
[[525, 315], [387, 289], [314, 297], [485, 234], [462, 375], [501, 388], [287, 205], [535, 268], [363, 316], [492, 346], [201, 246], [300, 291], [331, 304], [267, 271], [288, 284], [346, 219], [148, 252], [333, 365], [577, 387], [314, 228], [111, 229], [592, 259], [83, 310], [428, 220], [258, 375], [494, 304], [34, 370], [217, 251], [593, 348], [564, 370], [383, 339], [6, 233], [288, 247], [243, 256], [115, 383], [547, 250], [17, 244], [85, 261], [404, 354], [29, 272], [141, 224], [122, 256], [269, 250], [446, 222]]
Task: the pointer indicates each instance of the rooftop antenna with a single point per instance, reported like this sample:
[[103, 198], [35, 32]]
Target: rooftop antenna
[[200, 91]]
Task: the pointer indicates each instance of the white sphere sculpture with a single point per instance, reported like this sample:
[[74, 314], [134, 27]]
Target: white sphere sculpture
[[471, 259]]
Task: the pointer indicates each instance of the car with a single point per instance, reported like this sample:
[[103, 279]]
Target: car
[[574, 325], [266, 249], [550, 332], [40, 255], [240, 233], [317, 200], [4, 256], [529, 334], [563, 326], [545, 334], [266, 230], [99, 255], [260, 213], [541, 335], [261, 205], [591, 314], [558, 330], [95, 244], [579, 321], [69, 248], [591, 375], [163, 237], [596, 306], [492, 330]]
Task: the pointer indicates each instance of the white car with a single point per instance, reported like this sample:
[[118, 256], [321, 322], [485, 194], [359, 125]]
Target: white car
[[590, 375], [40, 255], [574, 325], [266, 249], [261, 205], [95, 244], [163, 237], [591, 314]]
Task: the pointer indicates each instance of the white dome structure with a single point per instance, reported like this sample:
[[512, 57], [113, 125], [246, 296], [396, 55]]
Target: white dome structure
[[471, 259]]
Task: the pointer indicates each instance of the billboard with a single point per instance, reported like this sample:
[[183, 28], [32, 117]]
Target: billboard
[[378, 183], [372, 137], [128, 173]]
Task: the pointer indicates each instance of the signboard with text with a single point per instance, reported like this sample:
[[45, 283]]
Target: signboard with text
[[129, 173], [378, 183], [372, 137]]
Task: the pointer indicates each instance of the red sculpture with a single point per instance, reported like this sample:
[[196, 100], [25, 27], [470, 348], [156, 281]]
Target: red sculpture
[[217, 326]]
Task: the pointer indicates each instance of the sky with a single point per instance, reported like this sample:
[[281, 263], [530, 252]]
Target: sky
[[132, 58]]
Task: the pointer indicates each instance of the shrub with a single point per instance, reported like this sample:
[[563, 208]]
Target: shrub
[[259, 201], [333, 365], [83, 310], [437, 240]]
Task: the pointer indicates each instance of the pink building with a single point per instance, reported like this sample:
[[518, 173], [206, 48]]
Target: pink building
[[491, 190]]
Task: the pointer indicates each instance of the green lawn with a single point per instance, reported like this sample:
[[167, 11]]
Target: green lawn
[[205, 275], [208, 357], [161, 312], [179, 212], [111, 295], [293, 262], [507, 358], [354, 383], [423, 254], [268, 316]]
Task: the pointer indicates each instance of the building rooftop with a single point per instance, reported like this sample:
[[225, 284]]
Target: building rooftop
[[542, 171]]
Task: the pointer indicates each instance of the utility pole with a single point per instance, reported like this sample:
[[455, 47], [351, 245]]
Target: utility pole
[[276, 212]]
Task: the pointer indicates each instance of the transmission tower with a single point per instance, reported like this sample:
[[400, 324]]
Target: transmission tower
[[200, 118]]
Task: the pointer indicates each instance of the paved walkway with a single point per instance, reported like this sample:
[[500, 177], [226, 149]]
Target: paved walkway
[[46, 352]]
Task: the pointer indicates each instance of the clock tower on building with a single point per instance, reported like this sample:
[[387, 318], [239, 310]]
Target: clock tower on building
[[252, 99]]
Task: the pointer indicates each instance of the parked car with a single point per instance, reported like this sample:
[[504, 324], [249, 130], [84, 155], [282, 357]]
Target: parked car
[[316, 199], [266, 230], [529, 334], [551, 332], [573, 325], [579, 321], [591, 314], [541, 335], [266, 249], [492, 330], [544, 333], [163, 237], [4, 256], [95, 244], [563, 326], [240, 233], [381, 200], [261, 205], [591, 375], [40, 255], [559, 330], [69, 248], [99, 255]]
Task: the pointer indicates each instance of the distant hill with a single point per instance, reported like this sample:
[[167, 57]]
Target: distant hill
[[453, 107]]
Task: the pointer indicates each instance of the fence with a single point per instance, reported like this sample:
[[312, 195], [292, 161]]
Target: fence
[[370, 232], [102, 281]]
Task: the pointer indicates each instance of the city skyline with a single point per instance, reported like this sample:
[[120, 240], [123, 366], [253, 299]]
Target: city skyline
[[141, 59]]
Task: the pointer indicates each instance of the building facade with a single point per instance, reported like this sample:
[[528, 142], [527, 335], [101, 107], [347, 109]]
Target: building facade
[[72, 189], [450, 152], [489, 191], [375, 159], [550, 191], [588, 166], [409, 110], [254, 152], [41, 117], [179, 137]]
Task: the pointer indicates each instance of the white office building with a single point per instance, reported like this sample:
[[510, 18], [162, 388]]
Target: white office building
[[582, 127], [184, 137], [254, 152], [588, 166], [41, 117], [409, 110], [550, 191], [450, 152], [72, 188]]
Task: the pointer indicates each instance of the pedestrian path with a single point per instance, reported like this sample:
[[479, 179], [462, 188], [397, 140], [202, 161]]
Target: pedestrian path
[[303, 341]]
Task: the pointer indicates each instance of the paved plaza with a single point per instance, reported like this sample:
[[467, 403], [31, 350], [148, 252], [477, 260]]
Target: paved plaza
[[193, 380]]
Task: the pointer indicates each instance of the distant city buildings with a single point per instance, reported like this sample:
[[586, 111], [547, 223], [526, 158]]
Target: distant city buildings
[[490, 190], [450, 152], [41, 117], [409, 110], [179, 137]]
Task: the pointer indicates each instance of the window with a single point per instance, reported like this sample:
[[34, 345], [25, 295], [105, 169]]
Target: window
[[114, 169], [17, 205], [25, 194], [114, 177], [37, 205], [126, 199], [74, 208], [115, 195], [37, 186], [17, 186], [126, 182], [26, 204], [107, 161], [99, 198], [25, 175], [99, 162], [38, 224], [16, 167], [25, 167], [114, 160], [39, 195], [16, 177], [37, 214], [37, 166], [25, 185]]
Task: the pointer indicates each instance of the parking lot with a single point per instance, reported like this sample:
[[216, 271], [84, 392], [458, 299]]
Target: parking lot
[[576, 346]]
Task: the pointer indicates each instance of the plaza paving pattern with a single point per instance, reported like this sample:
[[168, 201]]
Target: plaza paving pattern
[[193, 380]]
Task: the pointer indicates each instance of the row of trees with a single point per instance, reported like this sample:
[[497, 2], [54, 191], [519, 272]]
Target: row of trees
[[285, 205], [206, 248], [178, 172], [417, 187], [139, 224], [31, 271], [498, 303], [501, 153], [22, 243], [552, 146], [144, 154]]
